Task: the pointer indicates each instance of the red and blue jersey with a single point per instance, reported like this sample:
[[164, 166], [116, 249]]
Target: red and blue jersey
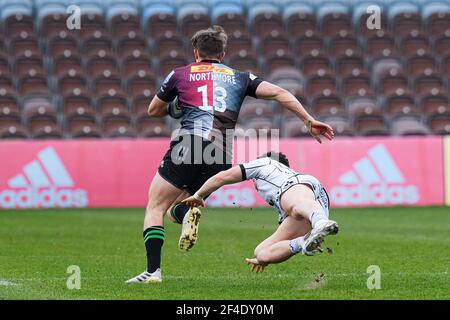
[[210, 95]]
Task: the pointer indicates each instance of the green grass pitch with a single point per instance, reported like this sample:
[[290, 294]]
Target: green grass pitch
[[410, 245]]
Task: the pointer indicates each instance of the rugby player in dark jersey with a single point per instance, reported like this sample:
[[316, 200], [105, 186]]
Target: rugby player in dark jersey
[[208, 96]]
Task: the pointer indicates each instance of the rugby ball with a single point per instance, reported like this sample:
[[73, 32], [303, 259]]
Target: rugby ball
[[174, 110]]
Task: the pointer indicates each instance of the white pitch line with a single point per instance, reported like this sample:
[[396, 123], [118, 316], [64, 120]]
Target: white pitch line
[[7, 283]]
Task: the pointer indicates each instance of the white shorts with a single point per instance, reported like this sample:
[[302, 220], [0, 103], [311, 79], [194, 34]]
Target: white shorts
[[319, 192]]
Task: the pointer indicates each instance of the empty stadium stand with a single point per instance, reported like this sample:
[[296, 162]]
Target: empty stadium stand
[[97, 81]]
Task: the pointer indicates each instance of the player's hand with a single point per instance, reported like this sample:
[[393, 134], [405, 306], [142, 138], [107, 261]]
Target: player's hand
[[192, 202], [317, 128], [255, 265]]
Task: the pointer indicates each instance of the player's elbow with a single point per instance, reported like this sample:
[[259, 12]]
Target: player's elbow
[[280, 94], [263, 256], [220, 180], [152, 111]]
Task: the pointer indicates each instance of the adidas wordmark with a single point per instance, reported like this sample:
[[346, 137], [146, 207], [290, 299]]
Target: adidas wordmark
[[374, 179], [44, 182]]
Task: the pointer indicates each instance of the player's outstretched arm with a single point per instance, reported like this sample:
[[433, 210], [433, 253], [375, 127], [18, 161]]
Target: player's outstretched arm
[[229, 176], [269, 91], [157, 108]]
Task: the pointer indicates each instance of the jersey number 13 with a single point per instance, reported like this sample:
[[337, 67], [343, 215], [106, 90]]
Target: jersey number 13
[[220, 94]]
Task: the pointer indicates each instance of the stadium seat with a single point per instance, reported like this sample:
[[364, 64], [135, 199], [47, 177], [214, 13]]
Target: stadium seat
[[142, 83], [401, 104], [279, 59], [380, 44], [436, 17], [340, 125], [409, 126], [293, 128], [9, 114], [158, 17], [321, 83], [6, 82], [131, 43], [139, 107], [68, 60], [263, 18], [343, 42], [333, 17], [193, 17], [238, 41], [101, 61], [15, 14], [53, 22], [442, 44], [134, 63], [273, 42], [124, 22], [71, 80], [93, 44], [392, 81], [439, 124], [433, 104], [82, 128], [105, 82], [371, 125], [357, 106], [314, 62], [92, 22], [13, 131], [168, 42], [78, 105], [256, 109], [299, 17], [349, 61], [410, 44], [423, 84], [308, 42], [328, 104], [58, 43], [404, 17], [229, 15], [33, 83], [421, 63], [17, 23], [353, 83], [245, 61], [286, 73], [146, 127], [173, 60], [24, 42]]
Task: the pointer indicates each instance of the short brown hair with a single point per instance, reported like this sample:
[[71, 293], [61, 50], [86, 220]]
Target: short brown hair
[[210, 42]]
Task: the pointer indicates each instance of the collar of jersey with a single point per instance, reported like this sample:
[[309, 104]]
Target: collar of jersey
[[210, 61]]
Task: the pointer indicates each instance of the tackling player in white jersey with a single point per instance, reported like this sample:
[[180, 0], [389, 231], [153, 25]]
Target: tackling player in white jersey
[[301, 201]]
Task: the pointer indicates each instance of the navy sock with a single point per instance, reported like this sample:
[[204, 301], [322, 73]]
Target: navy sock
[[178, 212], [153, 239]]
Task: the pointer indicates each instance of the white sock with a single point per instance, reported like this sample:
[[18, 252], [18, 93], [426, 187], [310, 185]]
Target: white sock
[[316, 217], [294, 245]]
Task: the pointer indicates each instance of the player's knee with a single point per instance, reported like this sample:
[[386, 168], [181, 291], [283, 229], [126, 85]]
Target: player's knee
[[170, 217], [302, 209]]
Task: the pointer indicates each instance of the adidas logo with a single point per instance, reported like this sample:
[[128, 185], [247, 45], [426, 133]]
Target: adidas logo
[[44, 183], [374, 180]]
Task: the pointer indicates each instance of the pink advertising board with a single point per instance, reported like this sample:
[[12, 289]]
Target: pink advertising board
[[375, 171], [117, 173]]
